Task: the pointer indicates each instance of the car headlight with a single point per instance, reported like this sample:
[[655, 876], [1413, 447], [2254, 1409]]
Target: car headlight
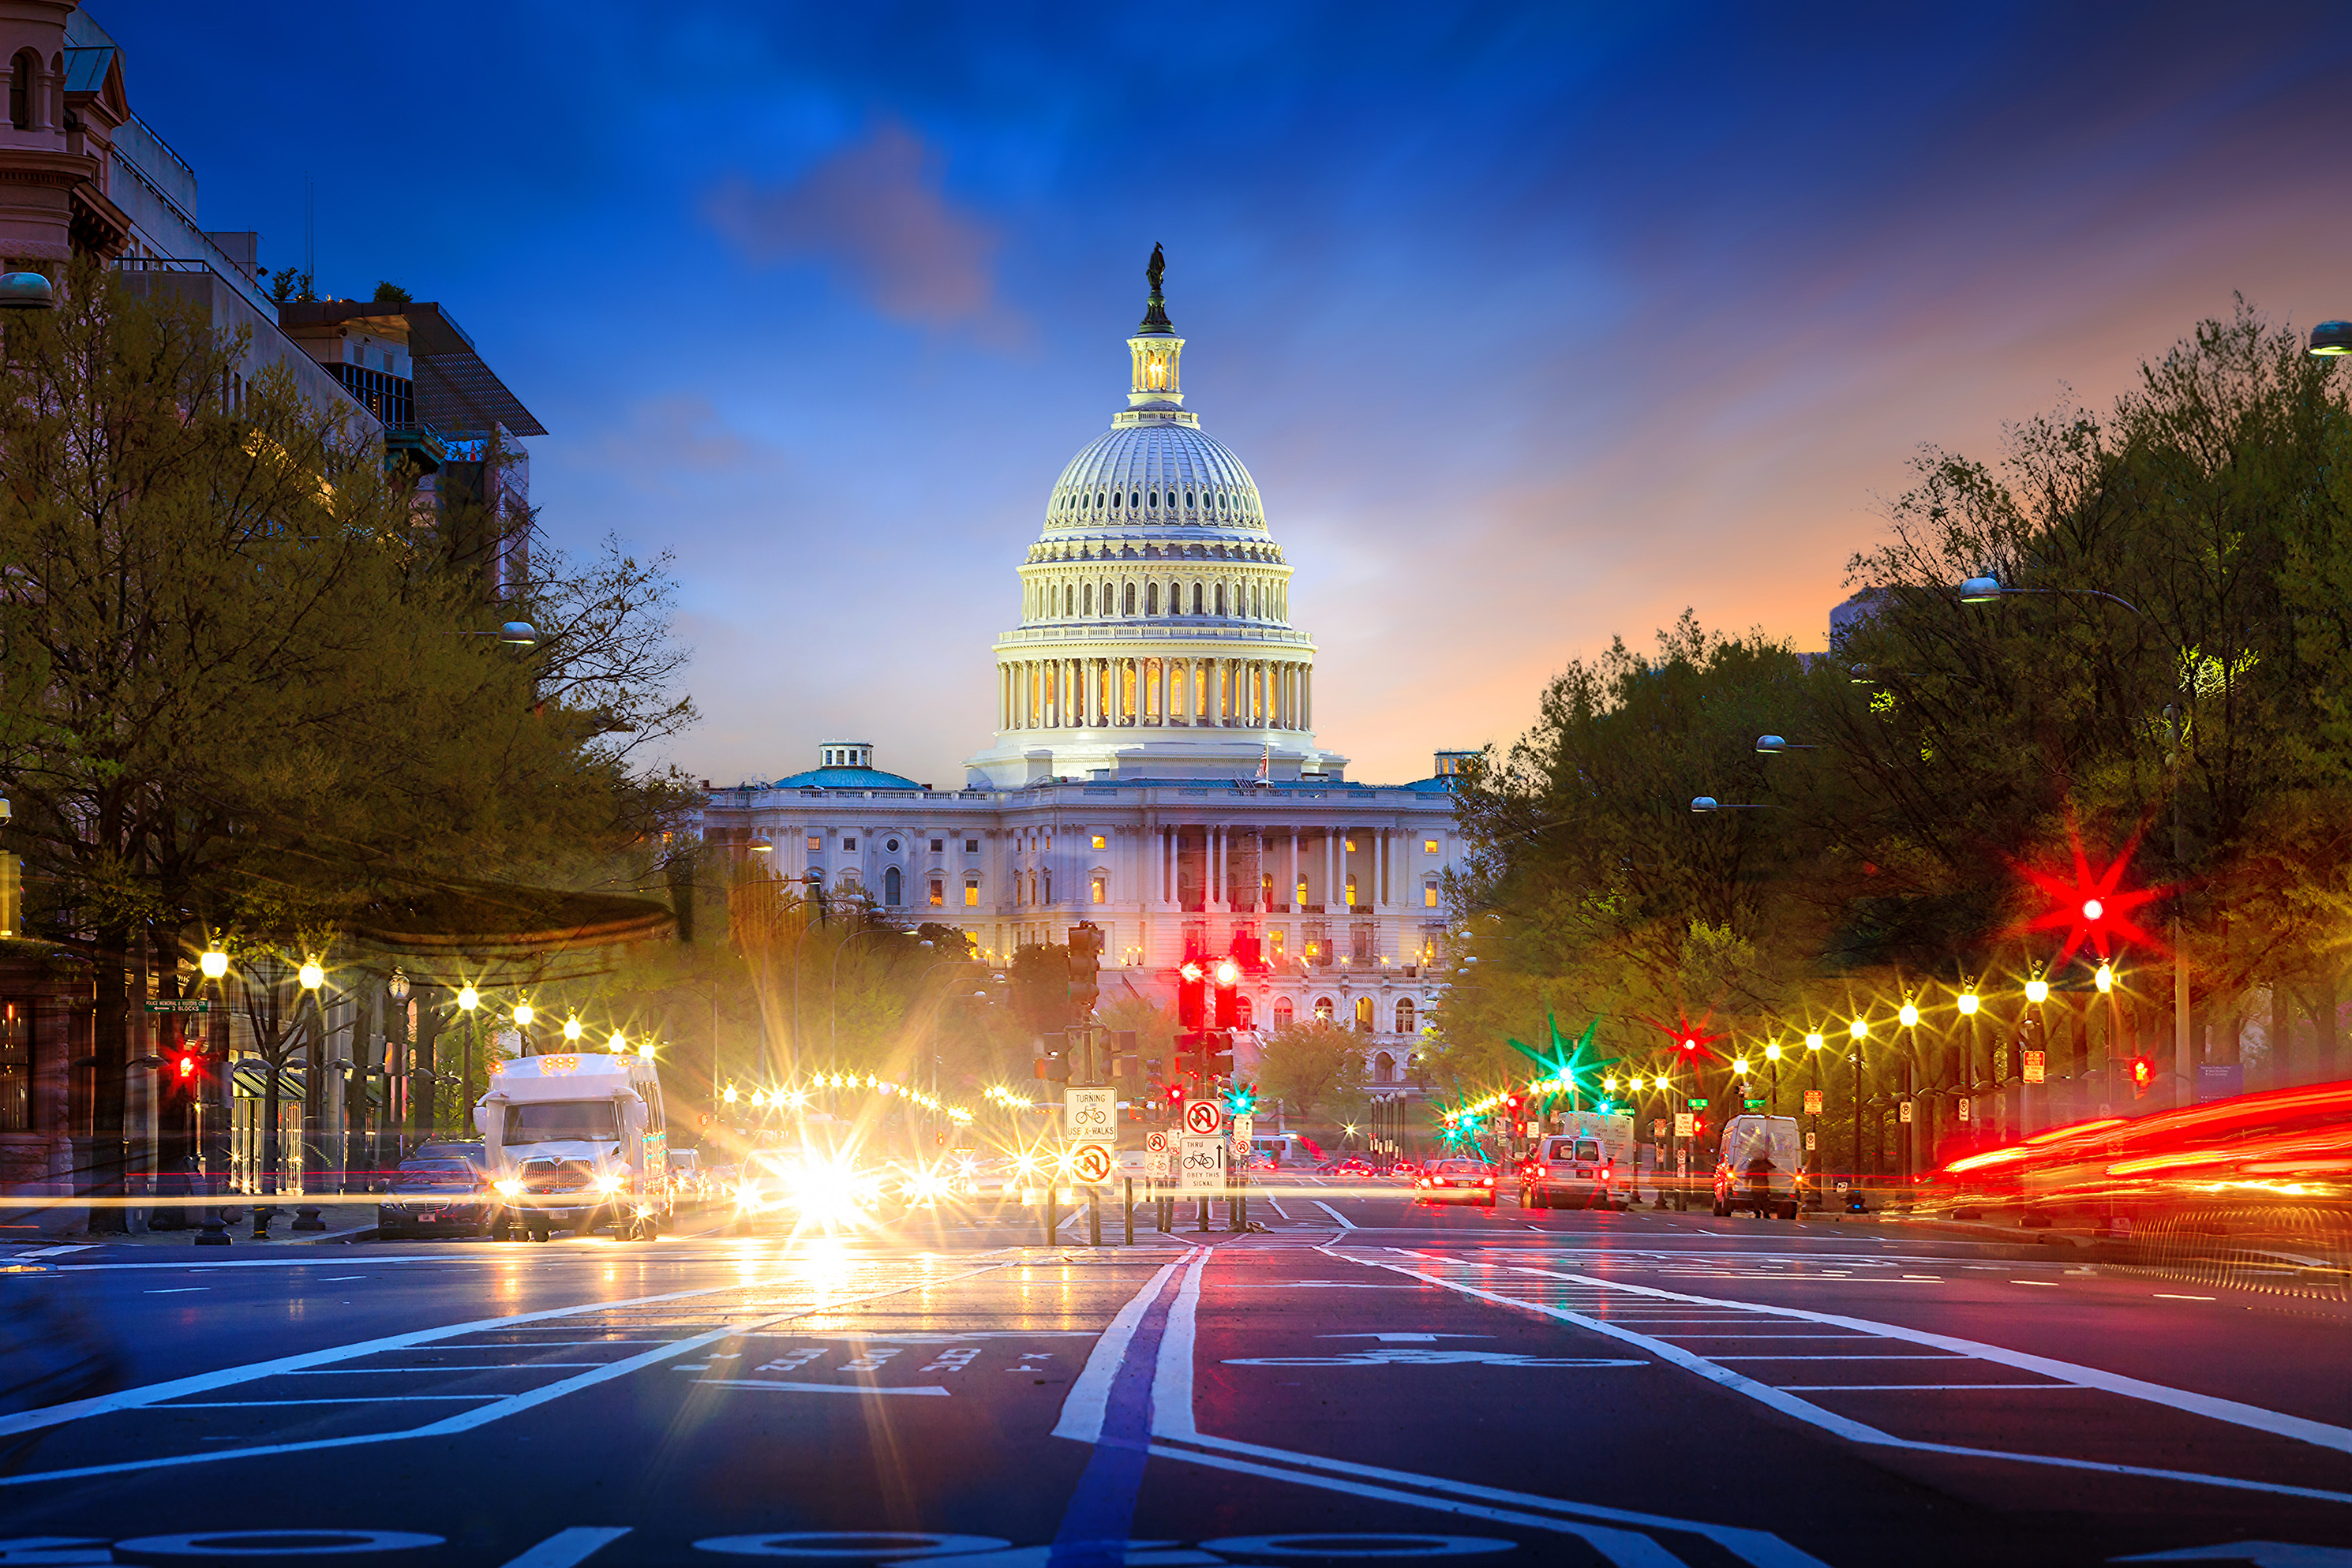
[[608, 1184], [510, 1188]]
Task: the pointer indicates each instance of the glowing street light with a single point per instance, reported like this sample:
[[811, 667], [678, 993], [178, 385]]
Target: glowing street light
[[1909, 1016], [728, 1094], [468, 1000], [1859, 1028], [1814, 1041], [1968, 1004], [213, 964], [619, 1044], [2105, 979], [2037, 990], [312, 975], [572, 1030], [1772, 1052], [523, 1014]]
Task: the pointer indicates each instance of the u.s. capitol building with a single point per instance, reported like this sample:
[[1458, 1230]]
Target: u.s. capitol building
[[1155, 769]]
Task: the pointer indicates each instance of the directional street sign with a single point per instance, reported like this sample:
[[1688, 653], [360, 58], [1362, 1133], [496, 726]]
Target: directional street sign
[[1155, 1143], [1090, 1113], [1201, 1166], [180, 1005], [1813, 1101], [1203, 1118], [1092, 1164], [1698, 1105]]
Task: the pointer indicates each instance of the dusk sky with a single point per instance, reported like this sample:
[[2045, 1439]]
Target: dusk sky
[[1535, 325]]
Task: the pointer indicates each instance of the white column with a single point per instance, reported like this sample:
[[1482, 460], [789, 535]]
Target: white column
[[1331, 888]]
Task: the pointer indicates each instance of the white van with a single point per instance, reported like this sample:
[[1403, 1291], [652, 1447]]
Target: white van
[[1745, 1140], [576, 1141], [1589, 1164]]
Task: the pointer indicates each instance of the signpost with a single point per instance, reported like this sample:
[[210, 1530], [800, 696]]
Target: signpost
[[1813, 1101], [2033, 1068], [1201, 1167], [1685, 1125], [1092, 1164], [1090, 1114], [1244, 1123], [1203, 1118]]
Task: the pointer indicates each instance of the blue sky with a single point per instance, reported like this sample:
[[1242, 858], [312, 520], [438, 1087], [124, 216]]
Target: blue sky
[[1534, 324]]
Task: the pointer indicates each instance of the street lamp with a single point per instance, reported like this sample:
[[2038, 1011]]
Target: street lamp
[[1703, 804], [572, 1030], [2327, 340], [468, 1000], [1773, 745], [31, 291], [213, 964]]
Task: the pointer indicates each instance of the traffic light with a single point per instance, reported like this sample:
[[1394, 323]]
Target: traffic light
[[1689, 1046], [1085, 960], [1216, 1053], [2143, 1075], [186, 1064], [1051, 1068], [1241, 1097], [1191, 996], [1229, 994]]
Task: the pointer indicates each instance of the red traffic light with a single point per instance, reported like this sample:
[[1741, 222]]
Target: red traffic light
[[187, 1066], [1228, 972], [2143, 1074], [1689, 1044], [1191, 972]]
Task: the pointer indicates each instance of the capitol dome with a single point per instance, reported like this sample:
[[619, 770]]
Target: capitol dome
[[1155, 638]]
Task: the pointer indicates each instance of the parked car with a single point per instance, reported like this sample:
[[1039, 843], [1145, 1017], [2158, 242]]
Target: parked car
[[434, 1198], [1758, 1165], [1456, 1181]]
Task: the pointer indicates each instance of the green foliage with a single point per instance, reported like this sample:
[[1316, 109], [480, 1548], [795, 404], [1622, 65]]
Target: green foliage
[[389, 293], [1315, 1068]]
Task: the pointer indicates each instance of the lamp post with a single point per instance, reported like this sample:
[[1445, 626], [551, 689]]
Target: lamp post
[[469, 1002], [312, 977], [1857, 1031], [2327, 339]]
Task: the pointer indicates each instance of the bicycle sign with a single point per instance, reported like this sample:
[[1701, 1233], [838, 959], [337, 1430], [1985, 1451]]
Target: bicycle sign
[[1089, 1113], [1201, 1167], [1092, 1164], [1203, 1118]]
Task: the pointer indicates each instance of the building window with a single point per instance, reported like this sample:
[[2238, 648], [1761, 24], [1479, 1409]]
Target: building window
[[1317, 938], [1243, 1013], [1363, 941], [21, 77], [1049, 884], [972, 893], [1347, 845], [815, 844], [1284, 1015], [852, 844], [15, 1067], [938, 845], [1429, 846], [1151, 599], [1099, 890], [1429, 893], [893, 887], [1322, 1010], [971, 846], [939, 891], [1363, 1015], [892, 846], [1405, 1014], [1274, 940], [1100, 842], [1265, 889], [1302, 893], [1384, 1069], [1351, 886]]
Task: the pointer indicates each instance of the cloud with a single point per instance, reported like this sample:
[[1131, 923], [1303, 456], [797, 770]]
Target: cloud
[[874, 212]]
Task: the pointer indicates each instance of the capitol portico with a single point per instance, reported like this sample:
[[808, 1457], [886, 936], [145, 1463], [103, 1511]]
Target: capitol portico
[[1154, 768]]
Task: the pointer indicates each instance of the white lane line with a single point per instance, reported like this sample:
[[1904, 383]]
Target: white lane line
[[2045, 1284], [1172, 1379], [2237, 1414], [176, 1291], [1277, 1206], [53, 1251], [513, 1405], [1345, 1223], [1911, 1387], [813, 1387], [566, 1548], [389, 1399], [2168, 1296], [1082, 1412], [1813, 1414], [205, 1382], [387, 1371]]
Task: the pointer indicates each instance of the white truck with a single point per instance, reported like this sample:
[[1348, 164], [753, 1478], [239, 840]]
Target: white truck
[[1588, 1163], [577, 1141], [1760, 1165]]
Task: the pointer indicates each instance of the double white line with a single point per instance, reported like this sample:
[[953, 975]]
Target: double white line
[[1617, 1534]]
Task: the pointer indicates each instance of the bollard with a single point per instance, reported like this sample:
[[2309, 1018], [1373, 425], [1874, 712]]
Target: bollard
[[305, 1218], [1129, 1207], [1204, 1215], [1051, 1192], [1094, 1217], [215, 1234], [262, 1213]]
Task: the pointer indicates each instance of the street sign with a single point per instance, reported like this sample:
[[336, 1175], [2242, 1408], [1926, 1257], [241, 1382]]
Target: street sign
[[1090, 1113], [1753, 1105], [1160, 1165], [1201, 1167], [1203, 1118], [1092, 1164], [180, 1005], [1813, 1101], [1155, 1143], [1658, 1127], [1905, 1110], [1810, 1146], [1244, 1124], [1698, 1105], [1685, 1123], [2033, 1066], [1964, 1111]]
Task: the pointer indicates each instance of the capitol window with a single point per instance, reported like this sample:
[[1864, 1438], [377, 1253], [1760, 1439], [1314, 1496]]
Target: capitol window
[[1130, 599], [849, 843], [1090, 599], [1100, 842], [938, 893], [1429, 893], [1284, 1013], [1322, 1010], [1099, 890], [815, 844], [971, 846], [937, 845], [972, 893], [1151, 599], [1429, 846]]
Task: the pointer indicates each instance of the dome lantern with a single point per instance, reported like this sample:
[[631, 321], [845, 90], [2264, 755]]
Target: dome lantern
[[1156, 385]]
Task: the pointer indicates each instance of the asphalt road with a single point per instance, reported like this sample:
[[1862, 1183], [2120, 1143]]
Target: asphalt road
[[1365, 1382]]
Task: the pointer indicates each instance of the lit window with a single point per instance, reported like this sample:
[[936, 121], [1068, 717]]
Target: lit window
[[1429, 895], [1322, 1010], [815, 844], [1351, 891], [1302, 892], [1100, 842], [1049, 841], [1429, 846], [939, 891], [972, 893], [1276, 940], [1098, 890], [1350, 844]]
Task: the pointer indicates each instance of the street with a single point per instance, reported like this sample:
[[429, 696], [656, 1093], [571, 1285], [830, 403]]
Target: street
[[1363, 1381]]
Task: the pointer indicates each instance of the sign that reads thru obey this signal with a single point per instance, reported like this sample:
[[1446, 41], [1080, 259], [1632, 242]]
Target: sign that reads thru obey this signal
[[1203, 1118], [1200, 1167]]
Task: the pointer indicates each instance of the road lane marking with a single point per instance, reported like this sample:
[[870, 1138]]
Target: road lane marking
[[1854, 1431], [1910, 1387], [567, 1548], [509, 1404], [777, 1387], [2045, 1284], [1171, 1377], [176, 1291], [2168, 1296], [387, 1399], [1082, 1411], [1345, 1223]]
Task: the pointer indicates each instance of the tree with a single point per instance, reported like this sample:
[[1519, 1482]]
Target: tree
[[1315, 1068]]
